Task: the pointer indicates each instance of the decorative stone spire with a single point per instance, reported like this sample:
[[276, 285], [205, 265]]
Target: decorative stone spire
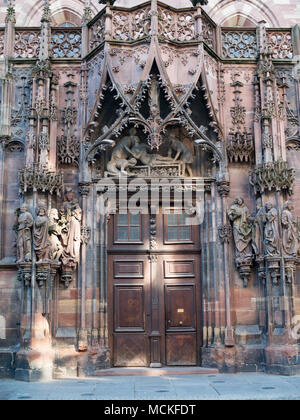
[[46, 17], [87, 12], [45, 31], [11, 13]]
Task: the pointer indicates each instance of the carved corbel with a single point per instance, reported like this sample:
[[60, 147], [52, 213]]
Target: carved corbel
[[43, 271], [244, 265], [67, 275], [290, 270], [274, 269], [25, 273]]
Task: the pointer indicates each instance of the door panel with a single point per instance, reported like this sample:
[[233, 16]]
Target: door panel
[[181, 350], [180, 308], [131, 350], [129, 297], [181, 333], [130, 310]]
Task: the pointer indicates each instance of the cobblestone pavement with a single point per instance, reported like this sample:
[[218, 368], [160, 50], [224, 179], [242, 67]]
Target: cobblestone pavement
[[194, 387]]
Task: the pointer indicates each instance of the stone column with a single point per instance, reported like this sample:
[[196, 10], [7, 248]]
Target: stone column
[[83, 333]]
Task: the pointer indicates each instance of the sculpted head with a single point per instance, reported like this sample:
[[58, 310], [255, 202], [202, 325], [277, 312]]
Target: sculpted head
[[133, 132], [41, 210], [69, 194], [53, 214], [288, 206], [239, 201], [24, 208], [269, 206]]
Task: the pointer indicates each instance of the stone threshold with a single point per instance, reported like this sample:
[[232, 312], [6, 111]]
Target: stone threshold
[[165, 371]]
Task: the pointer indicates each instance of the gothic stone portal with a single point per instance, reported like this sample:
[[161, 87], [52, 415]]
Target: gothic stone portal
[[154, 310]]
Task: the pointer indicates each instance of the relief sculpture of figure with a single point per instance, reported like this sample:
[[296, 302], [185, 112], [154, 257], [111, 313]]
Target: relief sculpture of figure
[[290, 230], [242, 228], [272, 238], [55, 235], [140, 152], [121, 159], [41, 235], [74, 235], [183, 155], [258, 231], [24, 235]]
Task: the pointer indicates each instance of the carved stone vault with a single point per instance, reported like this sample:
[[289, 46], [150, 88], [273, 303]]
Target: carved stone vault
[[148, 94]]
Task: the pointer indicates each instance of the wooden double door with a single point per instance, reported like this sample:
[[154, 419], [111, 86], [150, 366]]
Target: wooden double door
[[154, 291]]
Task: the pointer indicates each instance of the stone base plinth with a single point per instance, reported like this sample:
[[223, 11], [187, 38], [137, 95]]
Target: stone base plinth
[[282, 360], [7, 363], [93, 361], [32, 366], [234, 359]]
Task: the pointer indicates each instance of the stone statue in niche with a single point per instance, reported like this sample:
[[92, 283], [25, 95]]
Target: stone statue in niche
[[290, 230], [55, 237], [41, 235], [242, 227], [69, 225], [272, 238], [63, 226], [183, 155], [23, 229], [258, 231], [69, 203], [74, 235]]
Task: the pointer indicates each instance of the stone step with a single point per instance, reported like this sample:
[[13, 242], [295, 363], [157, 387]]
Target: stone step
[[165, 371]]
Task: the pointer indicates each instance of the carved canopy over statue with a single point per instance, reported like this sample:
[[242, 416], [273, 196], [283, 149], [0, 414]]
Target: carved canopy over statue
[[130, 151]]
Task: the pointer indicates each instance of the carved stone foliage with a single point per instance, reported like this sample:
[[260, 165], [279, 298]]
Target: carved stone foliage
[[66, 43], [281, 44], [97, 33], [239, 44], [177, 26], [131, 26], [22, 100], [38, 179], [208, 32], [27, 44], [240, 147], [95, 69], [68, 145], [272, 176]]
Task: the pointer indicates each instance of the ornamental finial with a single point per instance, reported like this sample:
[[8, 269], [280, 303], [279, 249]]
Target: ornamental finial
[[46, 17], [11, 13]]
